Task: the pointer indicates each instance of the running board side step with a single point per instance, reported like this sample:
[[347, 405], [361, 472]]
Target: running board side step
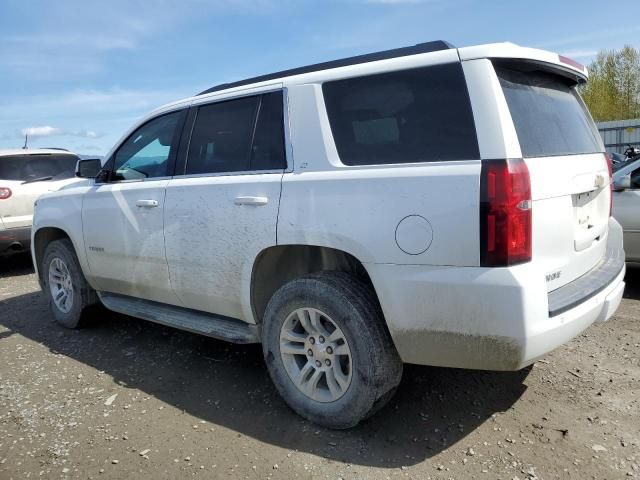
[[216, 326]]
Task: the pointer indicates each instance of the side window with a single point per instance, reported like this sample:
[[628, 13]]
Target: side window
[[635, 179], [418, 115], [221, 137], [267, 151], [146, 152], [238, 135]]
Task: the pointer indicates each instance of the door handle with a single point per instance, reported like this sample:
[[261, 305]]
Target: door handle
[[257, 201], [147, 203]]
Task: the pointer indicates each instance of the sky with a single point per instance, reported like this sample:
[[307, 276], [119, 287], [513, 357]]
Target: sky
[[77, 74]]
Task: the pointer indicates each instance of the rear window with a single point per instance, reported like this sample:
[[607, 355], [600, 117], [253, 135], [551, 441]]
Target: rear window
[[549, 115], [39, 165], [418, 115]]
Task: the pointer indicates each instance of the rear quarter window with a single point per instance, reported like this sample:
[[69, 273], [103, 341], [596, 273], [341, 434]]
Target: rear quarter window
[[409, 116], [549, 116]]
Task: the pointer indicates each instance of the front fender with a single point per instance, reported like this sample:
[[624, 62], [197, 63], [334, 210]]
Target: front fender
[[61, 210]]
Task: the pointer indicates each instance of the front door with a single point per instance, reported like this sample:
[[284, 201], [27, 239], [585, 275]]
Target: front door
[[123, 217]]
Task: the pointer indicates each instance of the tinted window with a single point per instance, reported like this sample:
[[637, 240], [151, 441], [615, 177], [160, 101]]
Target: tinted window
[[267, 151], [624, 162], [420, 115], [635, 179], [549, 115], [39, 165], [238, 135], [221, 137], [146, 152]]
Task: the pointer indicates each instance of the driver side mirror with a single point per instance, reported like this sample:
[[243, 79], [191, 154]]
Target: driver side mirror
[[88, 168], [622, 183]]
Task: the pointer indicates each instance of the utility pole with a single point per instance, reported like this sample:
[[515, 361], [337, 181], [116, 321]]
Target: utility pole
[[26, 138]]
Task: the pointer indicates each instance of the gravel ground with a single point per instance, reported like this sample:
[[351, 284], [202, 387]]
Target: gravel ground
[[125, 399]]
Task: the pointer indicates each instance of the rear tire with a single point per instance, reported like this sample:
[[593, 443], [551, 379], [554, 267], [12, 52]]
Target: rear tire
[[69, 294], [328, 350]]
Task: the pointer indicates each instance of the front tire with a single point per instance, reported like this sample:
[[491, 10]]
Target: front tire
[[328, 350], [68, 292]]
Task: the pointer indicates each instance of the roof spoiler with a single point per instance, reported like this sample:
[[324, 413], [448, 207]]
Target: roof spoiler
[[509, 51]]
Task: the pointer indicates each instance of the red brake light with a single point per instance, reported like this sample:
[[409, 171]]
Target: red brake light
[[5, 193], [505, 213], [607, 157], [571, 62]]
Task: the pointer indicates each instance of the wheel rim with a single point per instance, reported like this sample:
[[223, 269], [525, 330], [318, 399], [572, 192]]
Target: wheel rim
[[60, 285], [316, 355]]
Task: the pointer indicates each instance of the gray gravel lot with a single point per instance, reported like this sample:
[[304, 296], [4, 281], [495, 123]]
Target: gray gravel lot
[[123, 399]]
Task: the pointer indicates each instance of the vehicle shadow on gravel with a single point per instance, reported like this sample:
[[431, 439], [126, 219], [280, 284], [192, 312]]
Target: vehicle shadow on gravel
[[228, 385], [632, 282], [16, 265]]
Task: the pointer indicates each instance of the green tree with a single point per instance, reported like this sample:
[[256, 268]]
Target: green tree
[[613, 89]]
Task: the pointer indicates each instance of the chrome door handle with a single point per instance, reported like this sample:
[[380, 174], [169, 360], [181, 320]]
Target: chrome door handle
[[257, 201], [147, 203]]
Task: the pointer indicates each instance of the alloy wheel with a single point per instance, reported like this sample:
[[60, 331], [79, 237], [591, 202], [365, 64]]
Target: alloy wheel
[[316, 355]]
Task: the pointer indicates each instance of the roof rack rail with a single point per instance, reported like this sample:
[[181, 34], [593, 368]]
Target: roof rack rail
[[54, 148], [427, 47]]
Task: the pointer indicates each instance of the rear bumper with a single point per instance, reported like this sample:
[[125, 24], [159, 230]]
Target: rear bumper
[[590, 284], [598, 308], [13, 240], [493, 319]]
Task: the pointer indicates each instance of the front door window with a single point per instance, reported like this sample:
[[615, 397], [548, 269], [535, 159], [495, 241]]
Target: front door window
[[146, 153]]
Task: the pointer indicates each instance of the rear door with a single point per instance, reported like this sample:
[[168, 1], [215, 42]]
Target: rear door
[[569, 174], [29, 176], [222, 211]]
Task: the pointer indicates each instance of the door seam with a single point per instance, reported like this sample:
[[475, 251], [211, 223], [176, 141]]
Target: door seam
[[164, 242]]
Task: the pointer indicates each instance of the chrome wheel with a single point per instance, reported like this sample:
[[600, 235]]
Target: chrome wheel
[[60, 285], [316, 355]]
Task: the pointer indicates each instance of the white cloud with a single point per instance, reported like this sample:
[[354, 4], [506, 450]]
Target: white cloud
[[49, 131], [580, 53], [595, 36], [76, 36], [73, 117], [66, 40], [46, 131], [92, 104], [87, 134]]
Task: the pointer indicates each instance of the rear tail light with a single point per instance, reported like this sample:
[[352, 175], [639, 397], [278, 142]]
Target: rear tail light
[[609, 160], [5, 193], [505, 213]]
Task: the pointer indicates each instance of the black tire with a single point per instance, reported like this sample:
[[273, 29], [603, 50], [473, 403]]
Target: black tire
[[376, 365], [83, 297]]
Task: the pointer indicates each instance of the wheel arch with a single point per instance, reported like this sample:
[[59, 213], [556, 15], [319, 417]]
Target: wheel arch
[[41, 238], [277, 265]]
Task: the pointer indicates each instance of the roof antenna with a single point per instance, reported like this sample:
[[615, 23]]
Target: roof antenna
[[26, 138]]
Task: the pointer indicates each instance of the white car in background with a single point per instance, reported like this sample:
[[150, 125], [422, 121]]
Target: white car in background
[[26, 174], [626, 205]]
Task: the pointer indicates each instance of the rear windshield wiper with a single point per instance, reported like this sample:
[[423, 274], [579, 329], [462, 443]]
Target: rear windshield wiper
[[39, 179]]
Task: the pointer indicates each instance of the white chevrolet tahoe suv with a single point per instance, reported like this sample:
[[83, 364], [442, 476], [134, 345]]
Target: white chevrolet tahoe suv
[[25, 174], [426, 205]]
